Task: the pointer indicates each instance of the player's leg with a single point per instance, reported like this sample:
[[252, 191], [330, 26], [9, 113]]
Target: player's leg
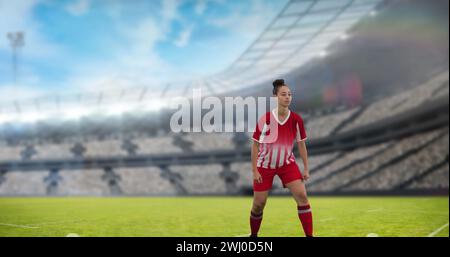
[[256, 214], [260, 194], [259, 201], [298, 191]]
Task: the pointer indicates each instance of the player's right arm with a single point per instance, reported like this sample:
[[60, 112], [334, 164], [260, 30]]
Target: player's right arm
[[256, 176]]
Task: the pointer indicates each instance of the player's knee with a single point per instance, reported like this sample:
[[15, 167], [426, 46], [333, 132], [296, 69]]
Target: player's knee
[[258, 206], [302, 198]]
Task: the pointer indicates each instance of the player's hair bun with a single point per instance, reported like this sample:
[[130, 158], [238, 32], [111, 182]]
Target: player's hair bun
[[276, 84]]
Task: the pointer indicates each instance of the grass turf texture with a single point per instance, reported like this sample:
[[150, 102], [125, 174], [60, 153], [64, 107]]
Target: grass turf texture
[[221, 216]]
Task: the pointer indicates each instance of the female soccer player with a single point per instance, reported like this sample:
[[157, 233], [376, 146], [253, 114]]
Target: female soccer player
[[272, 155]]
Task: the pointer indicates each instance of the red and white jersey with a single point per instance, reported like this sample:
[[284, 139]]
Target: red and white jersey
[[276, 139]]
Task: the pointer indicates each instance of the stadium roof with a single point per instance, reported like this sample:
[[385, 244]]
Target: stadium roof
[[303, 30]]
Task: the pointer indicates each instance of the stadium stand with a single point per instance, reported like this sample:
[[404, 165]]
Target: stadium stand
[[211, 141], [24, 183], [156, 145], [341, 178], [112, 180], [47, 151], [10, 152], [398, 103], [201, 179], [324, 125], [345, 160], [392, 175], [379, 167], [103, 148], [144, 181], [436, 177], [82, 182], [230, 178]]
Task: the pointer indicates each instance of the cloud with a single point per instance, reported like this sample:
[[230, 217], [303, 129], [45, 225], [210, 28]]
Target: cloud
[[246, 22], [144, 35], [200, 7], [137, 63], [170, 10], [78, 8], [184, 37]]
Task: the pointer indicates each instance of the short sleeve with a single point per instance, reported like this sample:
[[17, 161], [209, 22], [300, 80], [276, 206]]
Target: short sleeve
[[300, 130], [257, 133], [260, 130]]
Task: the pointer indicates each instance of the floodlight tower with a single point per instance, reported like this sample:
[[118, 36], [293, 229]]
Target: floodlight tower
[[17, 40]]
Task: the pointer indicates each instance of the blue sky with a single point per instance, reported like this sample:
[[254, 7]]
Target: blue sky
[[75, 45]]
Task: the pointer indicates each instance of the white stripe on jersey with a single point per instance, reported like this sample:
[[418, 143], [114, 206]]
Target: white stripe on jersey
[[267, 157], [298, 133], [273, 161], [282, 157], [263, 133], [262, 155], [292, 158], [287, 156]]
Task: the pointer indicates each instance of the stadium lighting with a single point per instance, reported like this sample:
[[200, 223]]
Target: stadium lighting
[[17, 40]]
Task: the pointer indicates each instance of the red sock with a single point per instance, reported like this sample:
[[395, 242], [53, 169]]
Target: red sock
[[305, 216], [255, 223]]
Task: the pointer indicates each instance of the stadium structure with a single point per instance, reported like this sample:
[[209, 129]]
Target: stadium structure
[[375, 110]]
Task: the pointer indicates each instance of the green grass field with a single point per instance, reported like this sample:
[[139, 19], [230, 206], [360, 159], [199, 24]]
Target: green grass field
[[221, 216]]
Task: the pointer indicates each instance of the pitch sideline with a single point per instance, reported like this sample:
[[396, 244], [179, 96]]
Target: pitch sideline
[[15, 225], [432, 234]]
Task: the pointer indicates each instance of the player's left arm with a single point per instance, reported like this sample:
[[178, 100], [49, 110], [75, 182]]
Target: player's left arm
[[304, 156], [301, 138]]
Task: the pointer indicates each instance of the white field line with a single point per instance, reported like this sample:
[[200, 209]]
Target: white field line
[[437, 230], [15, 225], [55, 222], [419, 211], [326, 219], [38, 225], [244, 235], [375, 210]]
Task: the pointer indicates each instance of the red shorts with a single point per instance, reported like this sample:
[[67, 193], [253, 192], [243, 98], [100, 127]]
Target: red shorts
[[287, 174]]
